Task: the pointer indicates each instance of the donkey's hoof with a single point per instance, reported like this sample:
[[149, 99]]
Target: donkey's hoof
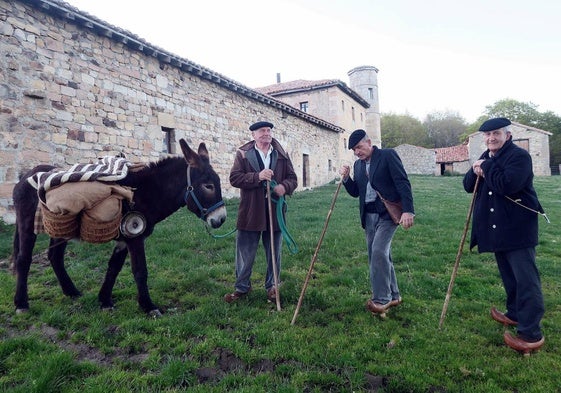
[[155, 313], [21, 310]]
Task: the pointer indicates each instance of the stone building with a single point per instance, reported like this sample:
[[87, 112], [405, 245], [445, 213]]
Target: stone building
[[453, 159], [534, 140], [417, 160], [74, 88], [350, 108]]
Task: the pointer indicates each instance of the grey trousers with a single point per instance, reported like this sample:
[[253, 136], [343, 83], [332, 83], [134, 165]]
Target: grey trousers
[[246, 250]]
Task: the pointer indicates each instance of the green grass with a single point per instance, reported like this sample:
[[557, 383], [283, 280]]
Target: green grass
[[202, 344]]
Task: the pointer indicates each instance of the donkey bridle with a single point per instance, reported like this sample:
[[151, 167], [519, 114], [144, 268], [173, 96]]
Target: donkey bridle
[[189, 192]]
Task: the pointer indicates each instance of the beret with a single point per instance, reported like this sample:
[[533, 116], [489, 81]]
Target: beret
[[356, 137], [494, 124], [260, 124]]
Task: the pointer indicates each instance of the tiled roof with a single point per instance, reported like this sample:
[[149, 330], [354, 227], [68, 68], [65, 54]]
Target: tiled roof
[[452, 154], [301, 85]]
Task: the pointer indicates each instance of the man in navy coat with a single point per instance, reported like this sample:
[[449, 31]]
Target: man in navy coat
[[505, 222], [379, 173]]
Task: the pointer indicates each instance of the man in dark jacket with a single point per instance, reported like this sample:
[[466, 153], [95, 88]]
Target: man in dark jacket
[[379, 173], [505, 222], [257, 162]]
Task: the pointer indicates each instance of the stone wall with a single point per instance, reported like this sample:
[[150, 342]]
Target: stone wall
[[417, 160], [73, 90]]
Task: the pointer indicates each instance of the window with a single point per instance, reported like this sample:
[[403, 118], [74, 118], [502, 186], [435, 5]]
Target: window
[[304, 106], [169, 140], [523, 143], [342, 105], [353, 112], [371, 93]]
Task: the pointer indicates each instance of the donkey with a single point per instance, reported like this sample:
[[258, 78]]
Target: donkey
[[160, 189]]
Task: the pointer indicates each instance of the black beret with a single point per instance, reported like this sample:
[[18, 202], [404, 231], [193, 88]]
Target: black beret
[[260, 124], [494, 124], [356, 137]]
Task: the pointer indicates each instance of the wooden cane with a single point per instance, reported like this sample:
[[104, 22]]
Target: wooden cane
[[310, 270], [273, 255], [458, 256]]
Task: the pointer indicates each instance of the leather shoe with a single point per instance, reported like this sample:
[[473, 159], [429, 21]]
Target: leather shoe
[[232, 297], [272, 295], [501, 318], [521, 345], [377, 308], [395, 302]]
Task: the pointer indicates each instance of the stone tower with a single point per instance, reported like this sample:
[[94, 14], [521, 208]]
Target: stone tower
[[364, 80]]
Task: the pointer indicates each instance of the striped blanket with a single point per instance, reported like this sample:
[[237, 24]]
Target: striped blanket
[[108, 169]]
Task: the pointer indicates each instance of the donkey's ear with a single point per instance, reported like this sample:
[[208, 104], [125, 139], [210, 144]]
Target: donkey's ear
[[203, 152], [190, 156]]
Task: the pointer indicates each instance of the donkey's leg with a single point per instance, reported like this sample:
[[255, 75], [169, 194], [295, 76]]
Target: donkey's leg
[[114, 267], [22, 263], [57, 247], [140, 273]]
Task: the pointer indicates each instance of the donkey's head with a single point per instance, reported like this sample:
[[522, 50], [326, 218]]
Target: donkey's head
[[204, 194]]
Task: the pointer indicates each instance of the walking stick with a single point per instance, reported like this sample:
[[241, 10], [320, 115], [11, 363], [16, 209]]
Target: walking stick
[[315, 254], [458, 256], [273, 255]]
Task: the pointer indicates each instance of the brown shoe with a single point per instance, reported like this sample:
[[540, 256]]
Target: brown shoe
[[272, 295], [232, 297], [521, 345], [377, 308], [395, 302], [501, 318]]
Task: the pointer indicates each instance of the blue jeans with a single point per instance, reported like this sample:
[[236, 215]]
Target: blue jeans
[[524, 299], [246, 250], [379, 235]]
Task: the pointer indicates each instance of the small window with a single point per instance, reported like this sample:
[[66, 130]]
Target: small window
[[371, 93], [304, 106], [353, 112], [169, 140], [343, 105]]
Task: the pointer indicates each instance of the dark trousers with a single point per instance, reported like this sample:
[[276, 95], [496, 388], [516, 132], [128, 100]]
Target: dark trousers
[[524, 299]]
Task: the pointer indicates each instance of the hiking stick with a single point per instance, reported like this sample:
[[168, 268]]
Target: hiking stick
[[315, 254], [273, 255], [458, 256]]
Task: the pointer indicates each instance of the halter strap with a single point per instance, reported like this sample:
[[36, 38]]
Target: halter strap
[[189, 192]]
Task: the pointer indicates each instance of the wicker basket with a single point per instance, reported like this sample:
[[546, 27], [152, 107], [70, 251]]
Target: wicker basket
[[64, 226], [94, 231]]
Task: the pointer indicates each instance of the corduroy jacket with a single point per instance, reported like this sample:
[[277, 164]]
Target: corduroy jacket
[[252, 213]]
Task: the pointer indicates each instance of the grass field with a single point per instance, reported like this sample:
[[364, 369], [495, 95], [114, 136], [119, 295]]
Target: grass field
[[202, 344]]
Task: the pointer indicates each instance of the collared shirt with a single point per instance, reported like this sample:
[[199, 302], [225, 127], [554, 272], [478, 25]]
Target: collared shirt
[[266, 157], [370, 193]]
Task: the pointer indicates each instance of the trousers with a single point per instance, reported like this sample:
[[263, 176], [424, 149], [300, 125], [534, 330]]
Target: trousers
[[524, 299], [379, 235], [247, 243]]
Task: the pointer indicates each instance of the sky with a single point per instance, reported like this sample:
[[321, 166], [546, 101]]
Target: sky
[[432, 56]]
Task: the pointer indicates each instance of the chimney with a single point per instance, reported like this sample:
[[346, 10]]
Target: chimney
[[278, 77]]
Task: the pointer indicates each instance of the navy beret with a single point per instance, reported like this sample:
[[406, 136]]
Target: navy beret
[[494, 124], [260, 124], [356, 137]]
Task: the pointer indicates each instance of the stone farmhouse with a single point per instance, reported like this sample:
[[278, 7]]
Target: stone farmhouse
[[331, 100], [532, 139], [74, 88], [452, 160]]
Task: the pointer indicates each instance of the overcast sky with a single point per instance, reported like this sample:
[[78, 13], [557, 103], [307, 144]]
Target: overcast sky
[[432, 55]]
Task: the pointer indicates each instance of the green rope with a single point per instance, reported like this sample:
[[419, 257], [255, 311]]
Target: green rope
[[280, 201]]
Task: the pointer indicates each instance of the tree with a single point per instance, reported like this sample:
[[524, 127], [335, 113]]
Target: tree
[[400, 129], [445, 128]]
